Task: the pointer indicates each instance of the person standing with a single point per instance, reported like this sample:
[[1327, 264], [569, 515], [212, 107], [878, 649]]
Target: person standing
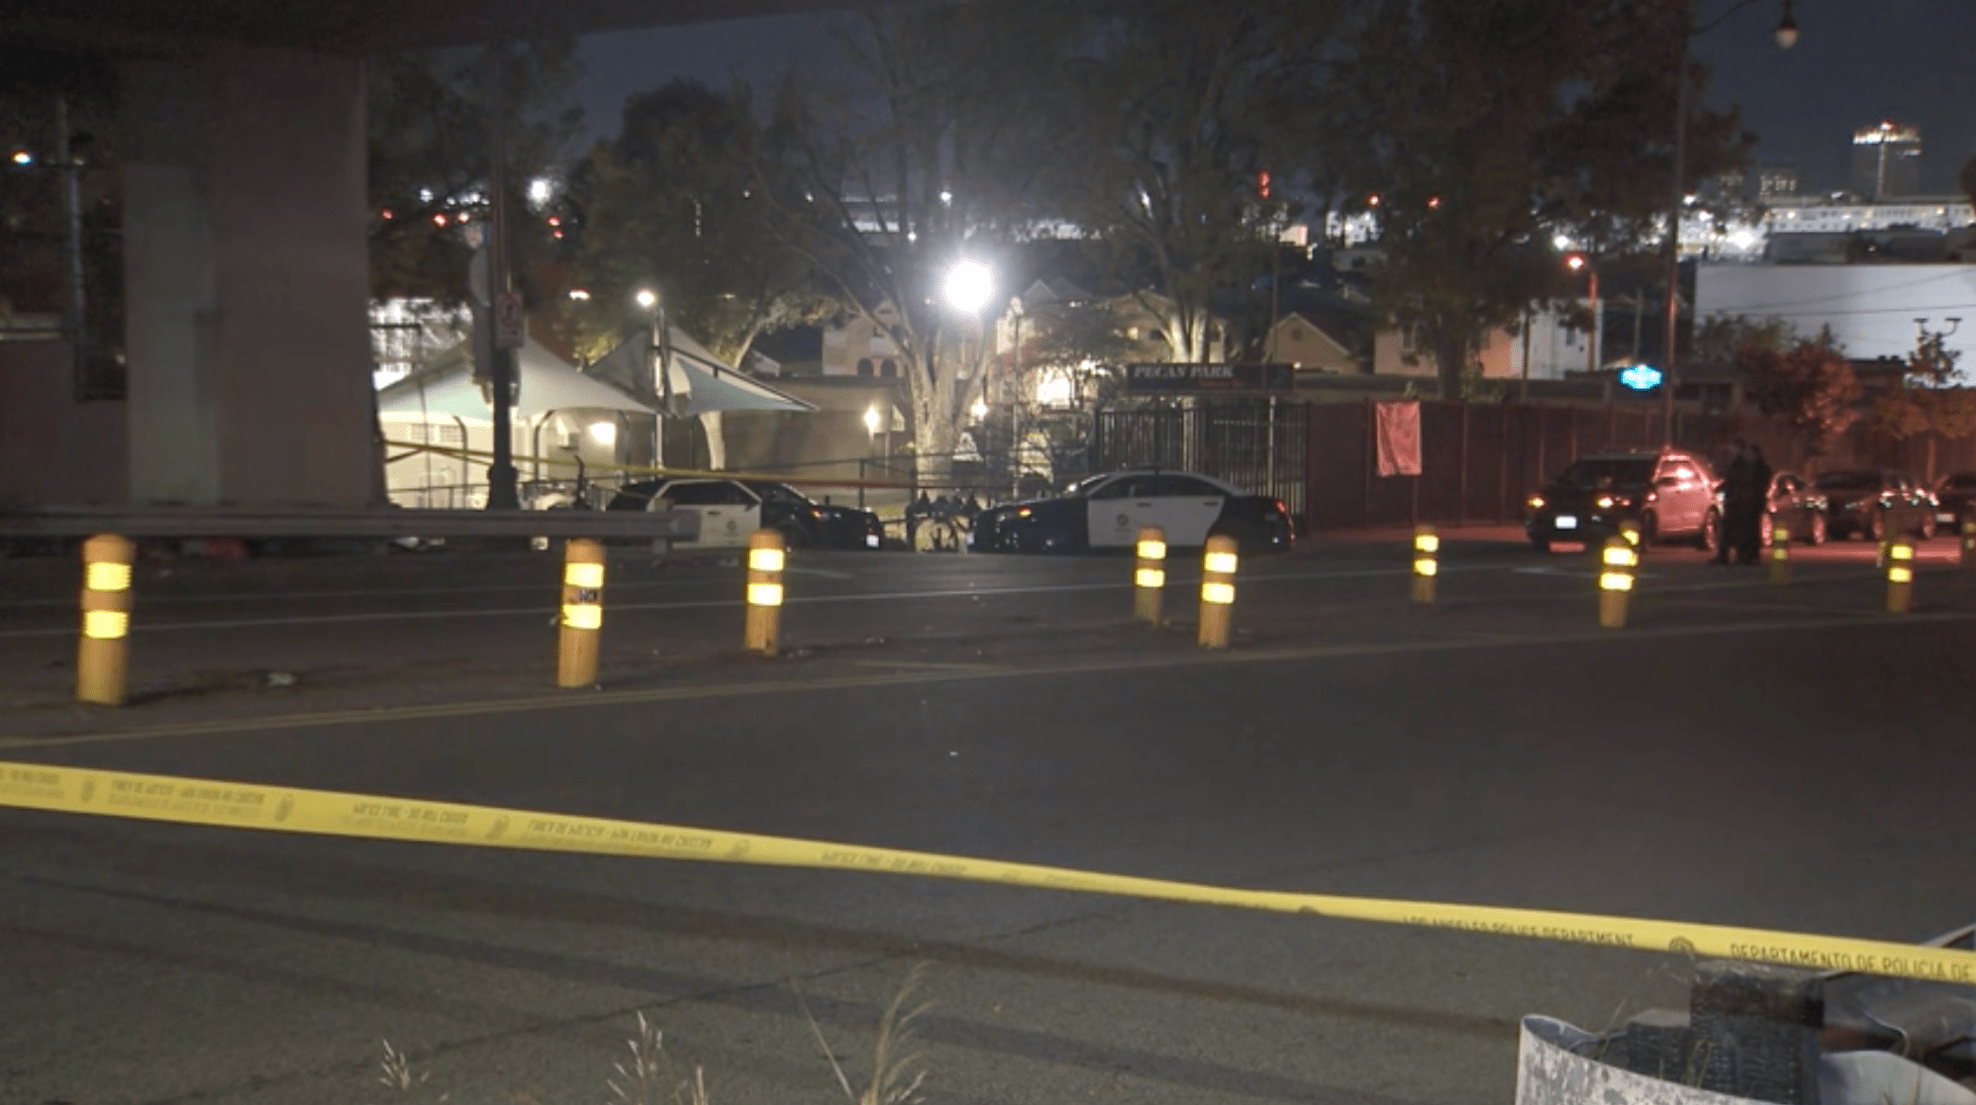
[[1757, 503], [1735, 493]]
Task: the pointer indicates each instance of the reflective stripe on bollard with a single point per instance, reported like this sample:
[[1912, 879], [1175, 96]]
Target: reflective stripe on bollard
[[767, 557], [102, 667], [1900, 576], [1969, 544], [1780, 555], [1218, 564], [1426, 563], [1149, 575], [1617, 562], [582, 614]]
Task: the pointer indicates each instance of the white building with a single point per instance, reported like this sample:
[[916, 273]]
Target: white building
[[1872, 309]]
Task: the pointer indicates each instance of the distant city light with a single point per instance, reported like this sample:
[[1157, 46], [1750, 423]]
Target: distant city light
[[439, 219], [22, 157], [871, 420], [385, 214], [541, 190], [1560, 242], [581, 295], [979, 410], [647, 298], [425, 195], [1743, 239]]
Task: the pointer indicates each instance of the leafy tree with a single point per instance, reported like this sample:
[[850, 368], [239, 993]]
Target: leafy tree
[[1811, 388], [935, 162], [1178, 110], [430, 155], [674, 203], [1489, 126], [1722, 338], [1929, 399]]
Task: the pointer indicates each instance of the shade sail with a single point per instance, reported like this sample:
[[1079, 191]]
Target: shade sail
[[547, 384], [701, 382]]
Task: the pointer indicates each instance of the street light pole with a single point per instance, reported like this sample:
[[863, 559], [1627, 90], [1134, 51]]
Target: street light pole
[[1786, 36], [1669, 378]]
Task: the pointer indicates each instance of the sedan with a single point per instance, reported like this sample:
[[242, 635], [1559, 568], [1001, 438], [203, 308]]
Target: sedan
[[1873, 502], [1956, 498], [730, 510], [1798, 508], [1107, 511]]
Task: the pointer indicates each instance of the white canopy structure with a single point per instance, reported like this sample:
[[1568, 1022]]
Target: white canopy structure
[[547, 384], [701, 383]]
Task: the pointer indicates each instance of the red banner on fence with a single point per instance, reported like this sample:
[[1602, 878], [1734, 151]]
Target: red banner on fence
[[1399, 438]]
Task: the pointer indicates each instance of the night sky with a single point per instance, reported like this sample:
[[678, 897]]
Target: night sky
[[1857, 62]]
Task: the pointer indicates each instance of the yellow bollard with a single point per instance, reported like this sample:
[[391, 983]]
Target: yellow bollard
[[1149, 577], [1426, 564], [1900, 576], [1969, 544], [1630, 530], [1217, 591], [1617, 561], [102, 664], [583, 614], [1780, 555], [767, 556]]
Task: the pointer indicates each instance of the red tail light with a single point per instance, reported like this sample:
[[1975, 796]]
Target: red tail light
[[1281, 509]]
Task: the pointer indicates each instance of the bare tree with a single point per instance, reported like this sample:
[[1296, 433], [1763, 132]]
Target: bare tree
[[933, 163]]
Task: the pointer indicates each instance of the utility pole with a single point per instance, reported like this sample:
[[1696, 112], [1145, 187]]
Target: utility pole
[[75, 323], [502, 493], [1670, 379]]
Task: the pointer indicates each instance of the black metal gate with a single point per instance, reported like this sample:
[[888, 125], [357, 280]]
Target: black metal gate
[[1256, 444]]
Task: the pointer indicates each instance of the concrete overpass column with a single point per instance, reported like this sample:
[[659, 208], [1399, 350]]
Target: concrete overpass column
[[247, 282]]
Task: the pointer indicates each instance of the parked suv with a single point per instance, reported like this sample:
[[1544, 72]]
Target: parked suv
[[1671, 494]]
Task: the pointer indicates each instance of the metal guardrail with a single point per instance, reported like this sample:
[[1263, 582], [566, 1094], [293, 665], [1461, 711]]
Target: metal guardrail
[[132, 521]]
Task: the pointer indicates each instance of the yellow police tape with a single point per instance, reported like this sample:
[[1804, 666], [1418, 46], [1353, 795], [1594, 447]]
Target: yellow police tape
[[294, 810], [568, 465]]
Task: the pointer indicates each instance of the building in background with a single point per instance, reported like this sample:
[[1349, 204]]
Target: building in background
[[1886, 160], [1775, 182]]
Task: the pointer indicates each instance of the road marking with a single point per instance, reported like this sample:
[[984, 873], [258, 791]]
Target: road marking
[[926, 665], [545, 611], [1134, 663]]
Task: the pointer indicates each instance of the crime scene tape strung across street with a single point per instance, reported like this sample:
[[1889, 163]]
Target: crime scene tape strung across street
[[330, 813], [451, 452]]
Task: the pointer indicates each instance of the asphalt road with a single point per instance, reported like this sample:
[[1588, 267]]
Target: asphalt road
[[1781, 757]]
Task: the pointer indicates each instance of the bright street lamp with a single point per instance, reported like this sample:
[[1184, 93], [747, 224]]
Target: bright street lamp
[[871, 420], [647, 298], [1578, 262], [969, 284]]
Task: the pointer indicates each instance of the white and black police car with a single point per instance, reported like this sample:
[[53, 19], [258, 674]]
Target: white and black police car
[[1106, 511]]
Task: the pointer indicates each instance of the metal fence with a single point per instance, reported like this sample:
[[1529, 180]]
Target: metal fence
[[1479, 461], [1256, 444]]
